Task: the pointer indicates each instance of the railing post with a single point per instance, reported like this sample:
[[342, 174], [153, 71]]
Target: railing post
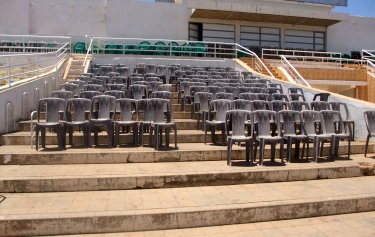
[[36, 65], [215, 50], [9, 78]]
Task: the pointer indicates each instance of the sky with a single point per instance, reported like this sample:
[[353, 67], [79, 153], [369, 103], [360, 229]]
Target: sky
[[358, 8]]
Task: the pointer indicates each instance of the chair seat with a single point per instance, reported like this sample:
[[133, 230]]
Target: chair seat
[[163, 124], [49, 124], [295, 136], [100, 120], [214, 122], [321, 136], [240, 138], [340, 135], [270, 138], [76, 123], [126, 122]]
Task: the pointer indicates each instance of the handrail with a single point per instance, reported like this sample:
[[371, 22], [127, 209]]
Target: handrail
[[293, 71], [99, 45], [370, 54], [370, 66], [339, 61], [291, 52], [257, 58], [88, 52], [32, 64]]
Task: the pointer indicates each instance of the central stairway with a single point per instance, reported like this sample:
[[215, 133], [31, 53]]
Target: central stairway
[[127, 189]]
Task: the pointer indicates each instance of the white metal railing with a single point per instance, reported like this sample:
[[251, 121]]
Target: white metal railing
[[16, 67], [291, 70], [165, 47], [327, 62], [12, 44], [275, 53], [371, 67], [368, 54]]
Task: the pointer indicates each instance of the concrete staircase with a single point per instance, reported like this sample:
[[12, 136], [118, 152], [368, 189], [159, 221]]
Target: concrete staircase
[[76, 66], [99, 190]]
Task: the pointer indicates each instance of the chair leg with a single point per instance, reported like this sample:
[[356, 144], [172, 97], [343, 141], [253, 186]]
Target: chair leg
[[316, 149], [175, 136], [289, 149], [367, 141], [349, 141], [141, 134], [281, 150], [261, 151], [43, 137], [205, 135], [37, 137], [229, 151], [273, 151], [167, 136]]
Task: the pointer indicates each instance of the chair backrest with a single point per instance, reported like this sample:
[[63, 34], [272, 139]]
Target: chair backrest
[[321, 97], [78, 108], [104, 79], [80, 83], [220, 107], [257, 89], [93, 87], [234, 90], [289, 119], [161, 70], [117, 87], [88, 94], [261, 105], [319, 105], [52, 108], [295, 90], [296, 97], [214, 89], [138, 91], [278, 105], [116, 93], [150, 68], [126, 106], [330, 120], [263, 96], [342, 108], [104, 105], [203, 99], [123, 71], [299, 105], [243, 104], [248, 96], [72, 87], [279, 96], [112, 74], [224, 95], [103, 70], [273, 90], [161, 94], [160, 108], [276, 85], [153, 85], [136, 78], [238, 118], [62, 94], [263, 119], [118, 80], [309, 119], [165, 87], [370, 121]]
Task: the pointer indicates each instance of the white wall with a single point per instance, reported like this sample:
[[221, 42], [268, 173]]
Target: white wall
[[353, 34]]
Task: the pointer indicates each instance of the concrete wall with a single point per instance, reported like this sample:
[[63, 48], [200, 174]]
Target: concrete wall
[[353, 34]]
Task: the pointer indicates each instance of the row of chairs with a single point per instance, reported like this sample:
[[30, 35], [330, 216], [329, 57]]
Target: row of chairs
[[63, 116], [261, 127]]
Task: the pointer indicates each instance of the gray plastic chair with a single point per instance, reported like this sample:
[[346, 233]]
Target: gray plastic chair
[[123, 71], [242, 104], [99, 82], [299, 105], [118, 80], [71, 87], [224, 96], [150, 68], [103, 106], [217, 119], [93, 87], [201, 106], [66, 95], [261, 105], [234, 90], [77, 109], [126, 107], [249, 96], [112, 74], [162, 94], [261, 126], [117, 87], [278, 105], [295, 90], [278, 96], [51, 106], [148, 117], [80, 83], [296, 97], [257, 90], [321, 97], [290, 119], [88, 94], [370, 125], [165, 87], [162, 119], [153, 86], [104, 79], [237, 120], [309, 121], [333, 125], [138, 91], [263, 96], [319, 105], [103, 70], [115, 93], [214, 90], [278, 87], [345, 115]]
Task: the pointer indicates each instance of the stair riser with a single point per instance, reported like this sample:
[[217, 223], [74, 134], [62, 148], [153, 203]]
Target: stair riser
[[172, 219], [174, 181], [122, 155]]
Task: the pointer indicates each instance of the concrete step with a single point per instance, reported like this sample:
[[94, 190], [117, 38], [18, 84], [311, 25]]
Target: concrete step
[[354, 224], [27, 214], [182, 124], [183, 136], [24, 155], [98, 177]]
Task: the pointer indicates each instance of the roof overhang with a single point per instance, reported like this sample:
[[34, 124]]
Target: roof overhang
[[259, 17]]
